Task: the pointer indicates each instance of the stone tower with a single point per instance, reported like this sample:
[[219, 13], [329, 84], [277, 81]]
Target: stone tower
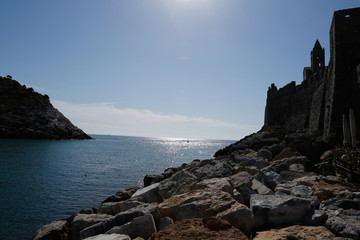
[[343, 81], [317, 57]]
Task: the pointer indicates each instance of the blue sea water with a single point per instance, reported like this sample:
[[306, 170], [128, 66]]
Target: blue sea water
[[42, 181]]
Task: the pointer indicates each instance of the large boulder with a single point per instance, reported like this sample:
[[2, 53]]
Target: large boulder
[[343, 215], [212, 169], [113, 208], [197, 203], [143, 226], [296, 232], [148, 194], [82, 221], [324, 187], [178, 183], [214, 183], [239, 216], [58, 230], [120, 219], [279, 210]]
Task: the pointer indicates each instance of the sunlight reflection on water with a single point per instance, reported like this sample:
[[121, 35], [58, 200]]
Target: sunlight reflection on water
[[46, 180]]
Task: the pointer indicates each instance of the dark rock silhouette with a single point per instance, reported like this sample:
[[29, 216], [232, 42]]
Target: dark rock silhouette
[[25, 113]]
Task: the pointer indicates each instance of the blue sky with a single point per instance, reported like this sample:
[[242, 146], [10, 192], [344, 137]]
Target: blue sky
[[162, 68]]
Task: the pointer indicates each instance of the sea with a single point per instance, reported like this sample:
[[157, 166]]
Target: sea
[[46, 180]]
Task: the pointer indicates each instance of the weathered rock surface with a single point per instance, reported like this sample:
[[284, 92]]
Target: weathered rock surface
[[120, 219], [278, 210], [196, 204], [58, 230], [343, 215], [113, 208], [197, 229], [28, 114], [82, 221]]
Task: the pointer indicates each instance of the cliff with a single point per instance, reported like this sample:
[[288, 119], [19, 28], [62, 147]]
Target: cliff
[[28, 114]]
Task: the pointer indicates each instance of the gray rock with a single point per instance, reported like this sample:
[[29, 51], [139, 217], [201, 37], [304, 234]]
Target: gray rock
[[164, 222], [82, 221], [113, 208], [149, 194], [218, 170], [178, 183], [120, 219], [246, 193], [318, 218], [261, 188], [278, 210], [241, 180], [246, 161], [285, 163], [143, 226], [269, 178], [239, 216], [122, 195], [109, 237], [150, 179], [214, 183], [297, 167], [57, 230], [343, 216]]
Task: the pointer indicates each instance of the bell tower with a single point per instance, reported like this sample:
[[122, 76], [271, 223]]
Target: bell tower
[[317, 57]]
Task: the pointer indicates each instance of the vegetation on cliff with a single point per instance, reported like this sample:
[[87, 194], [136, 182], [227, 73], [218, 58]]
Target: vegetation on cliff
[[25, 113]]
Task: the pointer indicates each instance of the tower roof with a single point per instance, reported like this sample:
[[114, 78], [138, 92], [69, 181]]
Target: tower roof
[[317, 45]]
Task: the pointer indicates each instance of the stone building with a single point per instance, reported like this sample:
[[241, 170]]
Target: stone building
[[326, 92]]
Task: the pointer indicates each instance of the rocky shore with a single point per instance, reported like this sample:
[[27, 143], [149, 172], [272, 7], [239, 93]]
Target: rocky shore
[[27, 114], [270, 185]]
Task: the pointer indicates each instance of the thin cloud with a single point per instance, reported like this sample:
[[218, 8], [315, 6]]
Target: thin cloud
[[105, 118]]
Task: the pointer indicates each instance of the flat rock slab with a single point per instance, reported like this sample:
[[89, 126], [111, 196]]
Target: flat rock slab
[[278, 210], [296, 232], [109, 237], [148, 194], [143, 226], [196, 204], [197, 229]]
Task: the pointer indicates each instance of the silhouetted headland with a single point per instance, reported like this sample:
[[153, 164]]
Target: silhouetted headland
[[27, 114]]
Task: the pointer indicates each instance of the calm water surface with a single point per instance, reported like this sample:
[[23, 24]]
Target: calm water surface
[[43, 181]]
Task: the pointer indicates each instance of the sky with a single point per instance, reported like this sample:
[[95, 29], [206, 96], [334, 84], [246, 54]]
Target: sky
[[162, 68]]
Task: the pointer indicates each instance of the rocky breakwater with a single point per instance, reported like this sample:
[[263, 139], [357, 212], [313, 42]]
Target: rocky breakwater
[[28, 114], [265, 186]]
